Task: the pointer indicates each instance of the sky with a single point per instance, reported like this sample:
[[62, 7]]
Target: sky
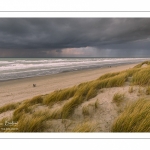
[[74, 37]]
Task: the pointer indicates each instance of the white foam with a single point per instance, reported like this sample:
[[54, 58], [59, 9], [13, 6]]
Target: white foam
[[18, 68]]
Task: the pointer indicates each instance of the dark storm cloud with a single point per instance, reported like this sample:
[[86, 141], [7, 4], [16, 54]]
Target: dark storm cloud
[[41, 37]]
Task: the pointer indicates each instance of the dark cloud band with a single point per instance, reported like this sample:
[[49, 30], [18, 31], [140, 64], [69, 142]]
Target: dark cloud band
[[40, 37]]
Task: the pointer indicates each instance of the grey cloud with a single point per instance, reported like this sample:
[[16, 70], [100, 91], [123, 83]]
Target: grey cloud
[[33, 37]]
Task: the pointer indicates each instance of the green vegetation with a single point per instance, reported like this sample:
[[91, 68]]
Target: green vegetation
[[135, 118]]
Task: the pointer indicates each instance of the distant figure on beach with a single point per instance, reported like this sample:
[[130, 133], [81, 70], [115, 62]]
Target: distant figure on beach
[[34, 85]]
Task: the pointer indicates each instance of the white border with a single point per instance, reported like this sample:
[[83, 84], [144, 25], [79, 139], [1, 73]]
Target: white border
[[74, 5], [100, 135], [74, 14]]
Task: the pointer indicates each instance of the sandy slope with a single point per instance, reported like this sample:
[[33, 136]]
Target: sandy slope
[[100, 117], [21, 89]]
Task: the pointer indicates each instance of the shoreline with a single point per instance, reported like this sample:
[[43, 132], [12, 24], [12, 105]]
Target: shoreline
[[21, 89], [68, 71]]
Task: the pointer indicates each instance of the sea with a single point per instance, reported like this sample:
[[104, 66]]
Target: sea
[[15, 68]]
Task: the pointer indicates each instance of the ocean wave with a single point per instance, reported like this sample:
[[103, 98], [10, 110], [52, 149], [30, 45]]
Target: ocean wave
[[21, 68]]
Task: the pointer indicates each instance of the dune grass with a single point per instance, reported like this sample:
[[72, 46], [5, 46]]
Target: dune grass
[[8, 107], [108, 75], [91, 93], [35, 122], [85, 110], [117, 81], [135, 118], [60, 95], [96, 104], [130, 72], [69, 106], [25, 107], [148, 90], [140, 91], [142, 77], [35, 100], [20, 111], [31, 124], [130, 89], [141, 64], [87, 126], [56, 114], [118, 98], [114, 81]]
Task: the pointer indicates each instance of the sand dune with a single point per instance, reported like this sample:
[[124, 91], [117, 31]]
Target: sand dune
[[93, 106]]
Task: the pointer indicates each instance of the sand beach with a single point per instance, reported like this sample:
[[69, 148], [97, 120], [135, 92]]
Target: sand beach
[[22, 89]]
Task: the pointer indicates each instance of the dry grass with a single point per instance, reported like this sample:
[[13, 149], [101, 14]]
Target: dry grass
[[142, 77], [26, 107], [117, 80], [132, 71], [91, 93], [56, 114], [60, 95], [130, 89], [96, 104], [85, 127], [8, 107], [35, 100], [108, 75], [69, 106], [135, 118], [148, 90], [118, 98], [31, 124], [85, 110], [20, 111], [140, 91], [143, 63]]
